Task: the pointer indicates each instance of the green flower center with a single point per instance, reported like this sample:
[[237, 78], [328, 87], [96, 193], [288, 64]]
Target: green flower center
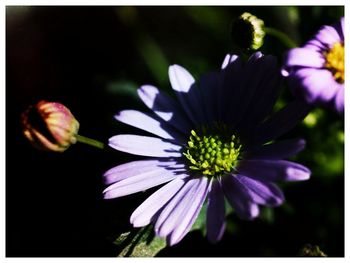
[[335, 61], [212, 154]]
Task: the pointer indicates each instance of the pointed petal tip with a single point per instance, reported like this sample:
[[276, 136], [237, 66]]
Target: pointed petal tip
[[298, 174], [137, 223], [214, 239], [106, 195], [226, 61], [181, 80], [254, 211]]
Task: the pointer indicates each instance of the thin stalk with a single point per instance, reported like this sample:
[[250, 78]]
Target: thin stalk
[[281, 36], [90, 141]]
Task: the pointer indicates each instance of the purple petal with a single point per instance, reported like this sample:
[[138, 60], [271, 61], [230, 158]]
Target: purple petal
[[144, 214], [341, 29], [255, 56], [215, 213], [264, 193], [278, 150], [147, 123], [264, 97], [144, 145], [162, 229], [188, 93], [282, 121], [256, 93], [130, 169], [339, 101], [328, 36], [304, 57], [181, 80], [208, 85], [165, 107], [230, 87], [239, 197], [188, 214], [273, 170], [227, 60], [314, 85], [139, 182], [178, 216]]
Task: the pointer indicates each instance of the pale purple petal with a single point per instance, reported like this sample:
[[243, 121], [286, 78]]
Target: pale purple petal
[[144, 145], [341, 30], [147, 123], [328, 35], [181, 80], [263, 193], [165, 107], [277, 150], [139, 182], [304, 57], [162, 229], [273, 170], [228, 59], [282, 121], [183, 84], [215, 213], [130, 169], [182, 210], [339, 101], [316, 46], [188, 213], [145, 213], [314, 85], [239, 198]]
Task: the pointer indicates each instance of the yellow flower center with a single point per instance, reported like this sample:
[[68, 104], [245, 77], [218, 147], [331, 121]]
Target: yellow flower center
[[335, 61], [212, 154]]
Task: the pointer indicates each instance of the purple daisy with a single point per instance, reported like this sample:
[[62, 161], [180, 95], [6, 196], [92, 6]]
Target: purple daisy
[[213, 144], [316, 70]]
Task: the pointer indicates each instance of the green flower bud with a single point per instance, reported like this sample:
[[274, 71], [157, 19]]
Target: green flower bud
[[248, 32]]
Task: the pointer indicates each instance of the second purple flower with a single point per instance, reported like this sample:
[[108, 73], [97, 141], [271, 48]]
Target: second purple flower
[[316, 70]]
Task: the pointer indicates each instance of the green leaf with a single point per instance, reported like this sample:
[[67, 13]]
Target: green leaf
[[142, 243], [123, 87]]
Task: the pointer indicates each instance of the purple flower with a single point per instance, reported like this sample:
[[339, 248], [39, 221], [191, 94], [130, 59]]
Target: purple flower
[[211, 144], [316, 70]]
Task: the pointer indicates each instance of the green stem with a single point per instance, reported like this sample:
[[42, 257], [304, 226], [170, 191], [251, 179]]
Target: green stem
[[281, 36], [90, 141]]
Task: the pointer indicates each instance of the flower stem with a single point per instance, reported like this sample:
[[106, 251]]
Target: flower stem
[[90, 141], [281, 36]]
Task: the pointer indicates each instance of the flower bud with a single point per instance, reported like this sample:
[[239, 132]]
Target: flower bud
[[50, 126], [248, 32]]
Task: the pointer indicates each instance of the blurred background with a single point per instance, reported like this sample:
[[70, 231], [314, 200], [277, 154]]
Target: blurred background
[[92, 59]]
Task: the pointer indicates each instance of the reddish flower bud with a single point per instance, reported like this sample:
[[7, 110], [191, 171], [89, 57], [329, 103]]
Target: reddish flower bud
[[50, 126]]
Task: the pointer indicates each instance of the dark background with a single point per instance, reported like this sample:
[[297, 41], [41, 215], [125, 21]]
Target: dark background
[[92, 59]]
